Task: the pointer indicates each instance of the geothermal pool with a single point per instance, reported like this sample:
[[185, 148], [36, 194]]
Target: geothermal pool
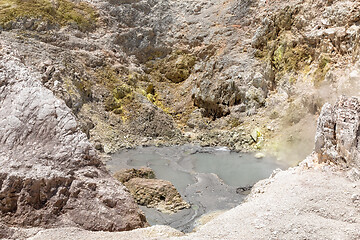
[[207, 178]]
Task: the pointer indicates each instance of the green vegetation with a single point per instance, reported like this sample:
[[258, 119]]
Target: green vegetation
[[61, 12]]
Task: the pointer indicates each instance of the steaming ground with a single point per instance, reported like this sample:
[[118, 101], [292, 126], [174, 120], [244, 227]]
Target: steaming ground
[[290, 135]]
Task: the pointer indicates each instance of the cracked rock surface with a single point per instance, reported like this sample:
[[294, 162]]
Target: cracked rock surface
[[50, 174], [338, 133]]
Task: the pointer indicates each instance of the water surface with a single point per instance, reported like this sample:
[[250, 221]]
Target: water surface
[[207, 178]]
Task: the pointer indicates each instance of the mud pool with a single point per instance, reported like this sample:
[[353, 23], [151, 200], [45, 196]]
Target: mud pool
[[207, 178]]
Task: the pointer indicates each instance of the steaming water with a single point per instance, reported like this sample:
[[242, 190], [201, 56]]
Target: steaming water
[[207, 178]]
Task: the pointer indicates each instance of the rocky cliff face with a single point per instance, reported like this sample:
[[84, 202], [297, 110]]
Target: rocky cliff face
[[50, 174], [320, 198], [337, 136], [207, 72], [248, 74]]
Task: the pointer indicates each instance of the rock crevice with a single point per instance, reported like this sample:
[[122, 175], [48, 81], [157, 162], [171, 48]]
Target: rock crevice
[[50, 174], [337, 136]]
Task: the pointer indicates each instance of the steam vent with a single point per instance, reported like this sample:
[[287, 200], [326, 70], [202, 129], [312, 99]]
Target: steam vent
[[164, 119]]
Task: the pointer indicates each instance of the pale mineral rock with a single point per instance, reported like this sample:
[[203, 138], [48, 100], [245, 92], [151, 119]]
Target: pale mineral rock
[[50, 174]]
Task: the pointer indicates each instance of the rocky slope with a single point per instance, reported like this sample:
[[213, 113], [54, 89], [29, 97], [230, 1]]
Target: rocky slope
[[50, 174], [248, 74], [318, 199], [208, 72]]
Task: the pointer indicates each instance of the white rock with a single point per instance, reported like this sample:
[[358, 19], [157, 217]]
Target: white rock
[[259, 155]]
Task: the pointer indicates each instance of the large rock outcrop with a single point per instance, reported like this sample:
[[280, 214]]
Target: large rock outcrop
[[156, 193], [317, 201], [142, 72], [338, 133], [50, 175], [151, 192]]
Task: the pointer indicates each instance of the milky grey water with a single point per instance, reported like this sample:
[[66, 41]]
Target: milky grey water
[[207, 178]]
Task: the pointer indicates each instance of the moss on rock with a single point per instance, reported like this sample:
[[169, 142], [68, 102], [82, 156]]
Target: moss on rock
[[58, 12]]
